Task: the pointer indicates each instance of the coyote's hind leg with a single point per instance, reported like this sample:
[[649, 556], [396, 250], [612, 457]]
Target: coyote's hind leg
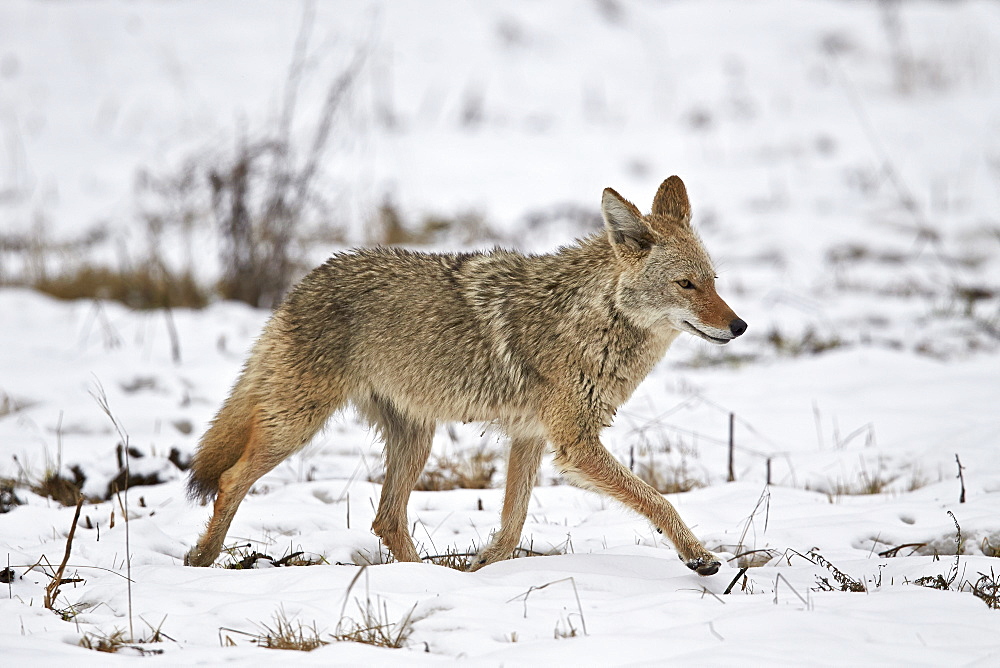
[[234, 484], [270, 441], [407, 447]]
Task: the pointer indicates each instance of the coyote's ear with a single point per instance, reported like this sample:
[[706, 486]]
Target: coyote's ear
[[671, 201], [626, 228]]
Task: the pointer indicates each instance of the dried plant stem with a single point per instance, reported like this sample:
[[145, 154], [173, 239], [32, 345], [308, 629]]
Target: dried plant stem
[[576, 594], [52, 590], [102, 400], [961, 479], [732, 447], [739, 574]]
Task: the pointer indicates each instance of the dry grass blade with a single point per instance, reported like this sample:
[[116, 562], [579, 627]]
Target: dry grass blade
[[102, 400], [576, 594], [755, 558], [764, 501]]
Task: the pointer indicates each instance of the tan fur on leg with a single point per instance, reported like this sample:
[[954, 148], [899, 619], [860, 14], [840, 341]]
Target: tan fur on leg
[[523, 462]]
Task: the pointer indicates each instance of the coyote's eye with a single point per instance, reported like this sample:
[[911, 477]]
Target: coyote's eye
[[686, 284]]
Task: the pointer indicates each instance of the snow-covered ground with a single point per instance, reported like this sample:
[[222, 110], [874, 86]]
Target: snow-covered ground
[[846, 181]]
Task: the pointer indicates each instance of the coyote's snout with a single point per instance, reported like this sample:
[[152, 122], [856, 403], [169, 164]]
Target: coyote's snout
[[544, 347]]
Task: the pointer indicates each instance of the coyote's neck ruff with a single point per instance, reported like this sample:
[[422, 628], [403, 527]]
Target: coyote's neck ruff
[[545, 347]]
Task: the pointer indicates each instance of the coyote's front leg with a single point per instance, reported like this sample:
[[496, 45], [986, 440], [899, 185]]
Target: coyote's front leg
[[583, 457], [522, 465]]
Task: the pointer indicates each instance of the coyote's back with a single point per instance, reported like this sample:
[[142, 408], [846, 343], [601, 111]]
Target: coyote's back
[[544, 347]]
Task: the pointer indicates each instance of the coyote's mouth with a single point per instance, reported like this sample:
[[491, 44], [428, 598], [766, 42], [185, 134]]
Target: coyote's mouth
[[707, 337]]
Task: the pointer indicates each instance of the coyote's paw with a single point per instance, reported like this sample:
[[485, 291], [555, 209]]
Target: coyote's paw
[[195, 558], [704, 565], [490, 555]]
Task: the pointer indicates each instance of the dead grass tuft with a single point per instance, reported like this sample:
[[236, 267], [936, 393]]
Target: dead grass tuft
[[667, 479], [374, 626], [244, 557], [288, 634], [866, 484], [987, 589], [459, 470], [62, 490], [565, 629], [452, 558], [118, 640], [389, 228], [371, 626], [100, 642], [666, 474], [10, 405], [147, 286], [282, 633], [8, 495], [53, 485], [809, 342], [473, 470]]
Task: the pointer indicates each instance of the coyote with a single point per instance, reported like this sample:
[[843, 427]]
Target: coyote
[[543, 347]]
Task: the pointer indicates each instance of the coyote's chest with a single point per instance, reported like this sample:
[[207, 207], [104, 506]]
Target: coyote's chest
[[613, 360]]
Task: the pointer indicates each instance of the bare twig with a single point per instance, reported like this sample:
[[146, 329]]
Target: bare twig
[[894, 551], [572, 581], [732, 446], [961, 479], [52, 589], [8, 578], [741, 573], [175, 343]]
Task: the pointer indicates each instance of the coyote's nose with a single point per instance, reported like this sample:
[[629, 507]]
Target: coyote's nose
[[737, 327]]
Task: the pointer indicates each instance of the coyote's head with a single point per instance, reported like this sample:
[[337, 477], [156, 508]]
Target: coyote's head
[[667, 278]]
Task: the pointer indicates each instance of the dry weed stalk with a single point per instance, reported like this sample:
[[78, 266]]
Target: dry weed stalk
[[261, 196], [52, 589], [844, 581]]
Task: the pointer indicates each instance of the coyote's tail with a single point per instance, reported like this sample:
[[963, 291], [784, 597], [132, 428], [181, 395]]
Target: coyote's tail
[[222, 445]]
